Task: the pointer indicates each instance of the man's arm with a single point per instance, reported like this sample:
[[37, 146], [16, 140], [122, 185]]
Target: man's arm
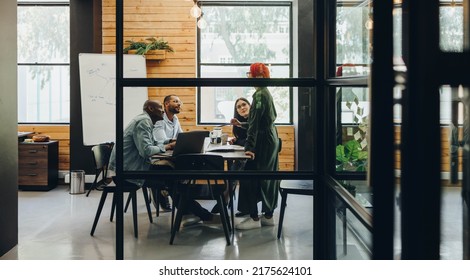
[[159, 133], [144, 139]]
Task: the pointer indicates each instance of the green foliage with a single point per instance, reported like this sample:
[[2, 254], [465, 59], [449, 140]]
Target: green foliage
[[151, 43], [351, 157]]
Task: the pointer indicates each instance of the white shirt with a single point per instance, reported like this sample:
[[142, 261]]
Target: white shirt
[[165, 130]]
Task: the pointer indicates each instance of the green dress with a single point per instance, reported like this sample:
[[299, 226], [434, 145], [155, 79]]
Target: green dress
[[263, 140]]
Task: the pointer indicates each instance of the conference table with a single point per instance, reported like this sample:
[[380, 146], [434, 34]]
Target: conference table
[[228, 152]]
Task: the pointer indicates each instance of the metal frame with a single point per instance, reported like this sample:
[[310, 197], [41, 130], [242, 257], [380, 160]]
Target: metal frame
[[420, 169]]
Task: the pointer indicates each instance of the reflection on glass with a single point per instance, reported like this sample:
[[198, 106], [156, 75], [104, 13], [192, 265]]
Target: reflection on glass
[[454, 105], [465, 147], [353, 239], [352, 128], [353, 46], [451, 25]]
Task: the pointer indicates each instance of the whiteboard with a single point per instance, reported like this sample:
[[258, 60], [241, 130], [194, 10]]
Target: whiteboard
[[98, 94]]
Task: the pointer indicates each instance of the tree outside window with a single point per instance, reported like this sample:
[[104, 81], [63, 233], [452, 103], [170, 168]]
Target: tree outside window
[[237, 35], [43, 62]]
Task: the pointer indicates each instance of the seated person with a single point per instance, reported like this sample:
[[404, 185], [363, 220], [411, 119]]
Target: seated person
[[138, 143], [165, 131]]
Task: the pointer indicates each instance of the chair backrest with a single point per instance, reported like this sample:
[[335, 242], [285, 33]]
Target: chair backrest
[[202, 162], [101, 154], [199, 162]]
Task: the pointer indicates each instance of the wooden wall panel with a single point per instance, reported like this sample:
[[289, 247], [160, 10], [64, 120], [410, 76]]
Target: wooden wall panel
[[170, 20]]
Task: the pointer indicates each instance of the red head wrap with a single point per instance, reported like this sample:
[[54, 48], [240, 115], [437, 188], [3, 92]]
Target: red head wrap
[[259, 69]]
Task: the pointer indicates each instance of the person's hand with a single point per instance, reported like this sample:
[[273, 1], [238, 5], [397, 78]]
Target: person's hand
[[251, 154], [233, 140], [235, 122], [170, 146]]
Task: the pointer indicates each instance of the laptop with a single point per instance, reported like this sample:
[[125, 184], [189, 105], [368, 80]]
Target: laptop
[[188, 143]]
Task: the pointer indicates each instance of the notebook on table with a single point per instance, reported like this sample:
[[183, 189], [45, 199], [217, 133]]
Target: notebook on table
[[188, 143], [224, 148]]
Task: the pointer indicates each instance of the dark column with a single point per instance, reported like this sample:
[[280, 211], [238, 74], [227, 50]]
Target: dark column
[[304, 119], [8, 127], [421, 138], [85, 37]]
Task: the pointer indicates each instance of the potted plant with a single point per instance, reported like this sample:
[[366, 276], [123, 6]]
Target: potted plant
[[152, 48], [351, 157]]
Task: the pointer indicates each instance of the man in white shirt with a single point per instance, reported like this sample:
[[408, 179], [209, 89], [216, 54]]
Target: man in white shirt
[[164, 132], [167, 129]]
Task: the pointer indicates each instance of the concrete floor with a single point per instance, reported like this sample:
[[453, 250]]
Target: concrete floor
[[55, 225]]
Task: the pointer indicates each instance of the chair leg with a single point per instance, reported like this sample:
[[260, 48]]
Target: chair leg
[[98, 211], [224, 217], [232, 215], [172, 215], [223, 211], [281, 215], [113, 207], [127, 203], [179, 215], [147, 203], [157, 201], [93, 185], [133, 196]]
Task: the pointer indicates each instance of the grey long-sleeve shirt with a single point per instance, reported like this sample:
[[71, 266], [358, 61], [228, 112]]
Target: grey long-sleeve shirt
[[138, 146]]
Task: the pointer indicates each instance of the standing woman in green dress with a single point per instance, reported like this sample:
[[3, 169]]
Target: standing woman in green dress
[[262, 145]]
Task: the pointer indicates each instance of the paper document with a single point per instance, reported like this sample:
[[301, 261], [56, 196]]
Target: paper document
[[224, 148]]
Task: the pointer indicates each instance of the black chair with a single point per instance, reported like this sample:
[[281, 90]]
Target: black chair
[[193, 189], [154, 187], [127, 188], [101, 154], [301, 187]]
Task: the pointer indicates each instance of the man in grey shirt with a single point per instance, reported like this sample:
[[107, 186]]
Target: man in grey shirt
[[138, 141]]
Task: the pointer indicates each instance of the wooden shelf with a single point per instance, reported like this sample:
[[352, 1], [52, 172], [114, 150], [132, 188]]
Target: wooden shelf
[[152, 54]]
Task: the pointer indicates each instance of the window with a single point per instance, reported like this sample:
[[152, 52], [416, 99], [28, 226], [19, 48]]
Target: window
[[353, 33], [238, 34], [43, 62]]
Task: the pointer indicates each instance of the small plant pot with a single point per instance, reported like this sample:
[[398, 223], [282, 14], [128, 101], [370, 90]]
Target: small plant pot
[[152, 54]]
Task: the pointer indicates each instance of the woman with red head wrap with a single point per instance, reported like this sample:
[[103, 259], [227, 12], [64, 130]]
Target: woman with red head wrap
[[259, 70], [262, 140]]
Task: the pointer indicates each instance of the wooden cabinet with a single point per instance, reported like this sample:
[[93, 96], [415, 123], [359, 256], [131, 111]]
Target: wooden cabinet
[[38, 165]]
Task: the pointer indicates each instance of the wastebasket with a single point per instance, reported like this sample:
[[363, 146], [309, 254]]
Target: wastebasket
[[77, 182]]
